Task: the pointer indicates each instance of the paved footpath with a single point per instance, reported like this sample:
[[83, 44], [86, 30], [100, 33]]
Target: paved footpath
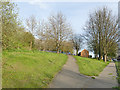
[[69, 77]]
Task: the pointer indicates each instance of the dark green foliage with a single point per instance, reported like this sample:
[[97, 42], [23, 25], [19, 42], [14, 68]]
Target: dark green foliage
[[93, 77], [14, 35], [9, 24], [118, 70]]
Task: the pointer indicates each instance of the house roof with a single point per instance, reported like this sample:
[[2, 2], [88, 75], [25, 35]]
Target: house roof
[[84, 50]]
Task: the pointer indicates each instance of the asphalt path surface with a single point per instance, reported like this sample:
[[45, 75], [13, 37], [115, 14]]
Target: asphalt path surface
[[70, 77]]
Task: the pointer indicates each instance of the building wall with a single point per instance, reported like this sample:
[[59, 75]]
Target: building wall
[[85, 53]]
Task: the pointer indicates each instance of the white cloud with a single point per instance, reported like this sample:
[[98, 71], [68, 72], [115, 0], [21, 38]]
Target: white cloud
[[42, 5]]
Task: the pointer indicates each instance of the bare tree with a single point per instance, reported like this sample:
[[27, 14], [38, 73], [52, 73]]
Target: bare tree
[[77, 42], [60, 29], [31, 25], [54, 33], [102, 31], [43, 33], [109, 32]]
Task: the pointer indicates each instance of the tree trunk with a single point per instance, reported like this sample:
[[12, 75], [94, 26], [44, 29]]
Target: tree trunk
[[58, 51], [99, 54], [44, 49], [76, 52], [105, 57], [57, 46], [99, 46], [31, 45]]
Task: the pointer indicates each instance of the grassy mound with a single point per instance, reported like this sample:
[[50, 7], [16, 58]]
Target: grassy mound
[[30, 69], [90, 67]]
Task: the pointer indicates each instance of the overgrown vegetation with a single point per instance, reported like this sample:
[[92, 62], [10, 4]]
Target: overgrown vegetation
[[118, 74], [90, 67], [14, 35], [30, 69], [118, 70]]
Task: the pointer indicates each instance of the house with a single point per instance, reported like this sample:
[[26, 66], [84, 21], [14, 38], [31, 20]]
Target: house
[[84, 53]]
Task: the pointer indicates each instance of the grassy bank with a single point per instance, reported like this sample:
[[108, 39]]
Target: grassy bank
[[118, 70], [90, 67], [28, 69]]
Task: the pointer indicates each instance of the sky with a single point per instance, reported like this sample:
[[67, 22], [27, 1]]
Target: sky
[[76, 13]]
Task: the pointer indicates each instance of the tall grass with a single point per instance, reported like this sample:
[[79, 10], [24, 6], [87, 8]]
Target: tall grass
[[30, 69], [90, 67], [118, 70]]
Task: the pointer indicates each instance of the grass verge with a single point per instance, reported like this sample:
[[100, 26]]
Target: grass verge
[[90, 67], [30, 69], [118, 70]]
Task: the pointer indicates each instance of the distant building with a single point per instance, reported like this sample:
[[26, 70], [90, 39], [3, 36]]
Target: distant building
[[84, 53]]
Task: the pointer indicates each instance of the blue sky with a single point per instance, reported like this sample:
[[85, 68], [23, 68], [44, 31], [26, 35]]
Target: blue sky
[[76, 12]]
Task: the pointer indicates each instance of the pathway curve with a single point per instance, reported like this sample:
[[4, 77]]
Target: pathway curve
[[69, 77]]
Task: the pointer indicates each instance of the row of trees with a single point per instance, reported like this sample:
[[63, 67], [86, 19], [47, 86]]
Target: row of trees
[[56, 34], [102, 33]]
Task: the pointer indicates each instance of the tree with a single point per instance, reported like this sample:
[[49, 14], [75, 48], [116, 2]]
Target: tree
[[14, 35], [67, 46], [0, 27], [102, 32], [40, 33], [60, 30], [9, 24], [77, 42], [31, 25]]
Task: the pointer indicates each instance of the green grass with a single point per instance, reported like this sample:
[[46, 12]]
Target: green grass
[[90, 67], [118, 70], [110, 74], [30, 69], [116, 88]]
